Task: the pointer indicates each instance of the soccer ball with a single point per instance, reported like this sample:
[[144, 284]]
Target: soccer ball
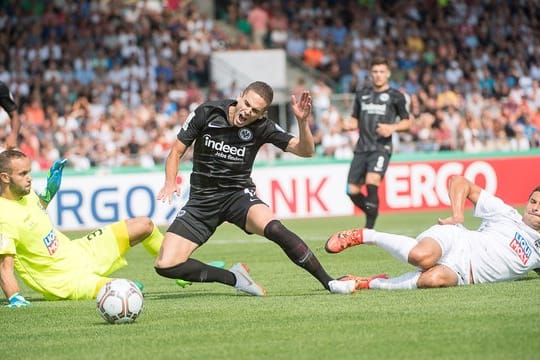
[[119, 301]]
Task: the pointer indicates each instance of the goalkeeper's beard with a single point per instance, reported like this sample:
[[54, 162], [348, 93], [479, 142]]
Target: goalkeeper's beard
[[19, 191]]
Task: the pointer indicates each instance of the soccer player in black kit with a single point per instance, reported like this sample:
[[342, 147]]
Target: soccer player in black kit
[[9, 105], [226, 136], [379, 111]]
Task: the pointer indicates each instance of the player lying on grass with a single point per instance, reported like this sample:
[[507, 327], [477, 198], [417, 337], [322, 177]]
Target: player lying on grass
[[46, 259], [226, 136], [505, 247]]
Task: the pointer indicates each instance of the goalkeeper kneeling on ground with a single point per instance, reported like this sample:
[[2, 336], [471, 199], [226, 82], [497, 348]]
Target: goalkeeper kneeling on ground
[[46, 259]]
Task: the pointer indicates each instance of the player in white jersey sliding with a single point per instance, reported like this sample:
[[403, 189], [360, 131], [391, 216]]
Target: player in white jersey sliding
[[505, 247]]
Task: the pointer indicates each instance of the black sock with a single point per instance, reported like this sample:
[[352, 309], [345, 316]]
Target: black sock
[[359, 200], [297, 250], [196, 271], [372, 205]]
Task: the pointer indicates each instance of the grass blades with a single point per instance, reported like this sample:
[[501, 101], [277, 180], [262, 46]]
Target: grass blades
[[298, 319]]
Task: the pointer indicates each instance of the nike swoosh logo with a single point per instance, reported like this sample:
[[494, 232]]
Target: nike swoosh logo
[[217, 126], [364, 97], [247, 279]]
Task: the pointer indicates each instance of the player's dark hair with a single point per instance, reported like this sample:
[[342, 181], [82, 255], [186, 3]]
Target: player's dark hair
[[534, 190], [379, 60], [262, 89], [6, 157]]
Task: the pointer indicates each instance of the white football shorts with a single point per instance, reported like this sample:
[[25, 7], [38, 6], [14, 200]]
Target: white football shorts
[[456, 252]]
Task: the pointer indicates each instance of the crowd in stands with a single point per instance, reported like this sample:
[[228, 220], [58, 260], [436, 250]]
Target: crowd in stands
[[470, 68], [109, 83]]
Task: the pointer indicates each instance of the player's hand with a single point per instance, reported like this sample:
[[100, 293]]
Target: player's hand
[[17, 300], [451, 220], [54, 179], [301, 108], [166, 193], [385, 130]]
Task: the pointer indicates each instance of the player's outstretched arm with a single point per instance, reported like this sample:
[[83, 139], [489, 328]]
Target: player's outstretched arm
[[171, 171], [11, 140], [54, 179], [303, 145], [9, 283], [460, 189]]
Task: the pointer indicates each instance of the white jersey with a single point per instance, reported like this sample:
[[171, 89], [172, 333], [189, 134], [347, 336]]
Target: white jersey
[[503, 248]]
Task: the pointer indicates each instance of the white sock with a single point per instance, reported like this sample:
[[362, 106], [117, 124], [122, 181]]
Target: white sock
[[398, 246], [404, 282]]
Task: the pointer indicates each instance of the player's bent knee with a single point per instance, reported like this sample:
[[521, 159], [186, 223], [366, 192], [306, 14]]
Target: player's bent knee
[[436, 277], [140, 225], [278, 233], [353, 189], [162, 263], [422, 258], [274, 229], [178, 271], [146, 224]]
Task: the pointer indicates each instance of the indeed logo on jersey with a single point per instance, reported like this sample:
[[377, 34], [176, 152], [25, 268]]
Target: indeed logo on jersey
[[51, 242], [223, 150], [521, 248], [376, 109]]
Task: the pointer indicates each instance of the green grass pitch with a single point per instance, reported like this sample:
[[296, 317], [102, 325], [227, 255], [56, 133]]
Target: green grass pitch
[[298, 319]]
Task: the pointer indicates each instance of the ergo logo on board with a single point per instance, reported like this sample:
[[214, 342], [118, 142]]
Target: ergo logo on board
[[419, 185]]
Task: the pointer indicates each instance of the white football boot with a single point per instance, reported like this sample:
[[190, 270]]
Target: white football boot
[[244, 282], [342, 287]]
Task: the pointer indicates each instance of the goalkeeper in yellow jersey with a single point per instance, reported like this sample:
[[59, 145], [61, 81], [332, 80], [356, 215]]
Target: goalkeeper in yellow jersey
[[47, 260]]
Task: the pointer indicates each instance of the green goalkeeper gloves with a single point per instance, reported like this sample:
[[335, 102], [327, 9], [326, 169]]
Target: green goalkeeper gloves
[[17, 300], [54, 178]]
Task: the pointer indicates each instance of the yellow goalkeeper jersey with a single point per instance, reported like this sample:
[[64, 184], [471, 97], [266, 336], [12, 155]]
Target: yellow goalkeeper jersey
[[45, 259]]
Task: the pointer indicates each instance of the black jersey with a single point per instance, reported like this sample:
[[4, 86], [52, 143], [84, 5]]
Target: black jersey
[[6, 99], [223, 154], [371, 108]]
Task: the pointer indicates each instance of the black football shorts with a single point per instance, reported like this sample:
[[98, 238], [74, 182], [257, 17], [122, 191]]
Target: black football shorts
[[201, 215], [368, 161]]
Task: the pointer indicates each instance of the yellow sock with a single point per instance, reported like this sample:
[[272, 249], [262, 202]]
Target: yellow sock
[[121, 235], [99, 284], [152, 243]]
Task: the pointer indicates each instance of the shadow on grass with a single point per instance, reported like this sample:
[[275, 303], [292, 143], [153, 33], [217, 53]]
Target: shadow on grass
[[233, 294]]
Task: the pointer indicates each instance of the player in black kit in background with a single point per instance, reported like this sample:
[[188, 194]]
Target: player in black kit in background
[[226, 136], [379, 111]]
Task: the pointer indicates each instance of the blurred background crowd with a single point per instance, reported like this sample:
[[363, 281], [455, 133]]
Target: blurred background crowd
[[109, 83]]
